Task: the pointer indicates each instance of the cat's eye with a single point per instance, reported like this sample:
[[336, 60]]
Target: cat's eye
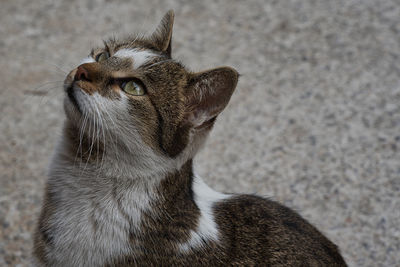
[[102, 56], [133, 88]]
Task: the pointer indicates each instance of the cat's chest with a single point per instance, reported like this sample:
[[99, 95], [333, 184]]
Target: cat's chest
[[91, 227]]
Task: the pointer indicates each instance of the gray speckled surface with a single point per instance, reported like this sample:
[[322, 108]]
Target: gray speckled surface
[[314, 123]]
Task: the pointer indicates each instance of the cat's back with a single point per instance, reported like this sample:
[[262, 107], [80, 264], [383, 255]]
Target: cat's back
[[253, 231], [256, 231]]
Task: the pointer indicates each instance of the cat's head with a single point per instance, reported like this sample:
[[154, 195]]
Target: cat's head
[[134, 94]]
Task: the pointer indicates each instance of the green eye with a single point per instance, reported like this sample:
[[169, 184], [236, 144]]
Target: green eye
[[102, 56], [133, 88]]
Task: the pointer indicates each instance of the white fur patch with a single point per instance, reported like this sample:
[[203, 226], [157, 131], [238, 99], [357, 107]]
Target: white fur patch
[[87, 201], [139, 57], [87, 59], [207, 230]]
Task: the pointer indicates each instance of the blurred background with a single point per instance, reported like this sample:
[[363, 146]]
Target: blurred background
[[314, 122]]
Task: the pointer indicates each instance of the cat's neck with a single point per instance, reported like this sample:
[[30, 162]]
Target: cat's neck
[[115, 179], [89, 155], [119, 178]]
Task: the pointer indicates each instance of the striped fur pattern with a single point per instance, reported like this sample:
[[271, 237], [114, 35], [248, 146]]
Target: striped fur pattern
[[121, 188]]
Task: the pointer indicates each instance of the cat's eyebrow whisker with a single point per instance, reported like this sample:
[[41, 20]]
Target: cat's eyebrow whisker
[[139, 34]]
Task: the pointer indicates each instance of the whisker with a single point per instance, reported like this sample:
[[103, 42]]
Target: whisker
[[43, 88], [97, 136], [60, 69], [92, 140], [101, 123], [104, 142], [44, 96], [113, 142], [83, 136], [82, 121], [81, 130], [48, 82], [110, 132]]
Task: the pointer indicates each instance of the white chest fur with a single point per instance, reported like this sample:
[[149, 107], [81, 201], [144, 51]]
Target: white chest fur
[[93, 217], [207, 229]]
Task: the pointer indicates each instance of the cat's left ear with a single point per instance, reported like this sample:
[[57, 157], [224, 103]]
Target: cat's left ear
[[208, 94], [163, 34]]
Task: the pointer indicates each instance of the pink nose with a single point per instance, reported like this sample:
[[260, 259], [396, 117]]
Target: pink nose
[[81, 74]]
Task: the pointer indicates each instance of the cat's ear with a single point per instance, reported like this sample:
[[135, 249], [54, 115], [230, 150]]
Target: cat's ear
[[208, 94], [163, 34]]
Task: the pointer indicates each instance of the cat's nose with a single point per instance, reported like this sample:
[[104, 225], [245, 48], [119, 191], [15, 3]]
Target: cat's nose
[[81, 74]]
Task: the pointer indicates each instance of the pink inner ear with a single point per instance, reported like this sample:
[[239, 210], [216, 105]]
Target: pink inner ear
[[210, 94]]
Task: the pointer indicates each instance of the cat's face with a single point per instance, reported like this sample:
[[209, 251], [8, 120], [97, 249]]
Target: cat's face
[[135, 94]]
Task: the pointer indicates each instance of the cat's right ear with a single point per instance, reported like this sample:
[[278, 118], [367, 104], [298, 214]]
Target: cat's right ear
[[163, 34], [208, 94]]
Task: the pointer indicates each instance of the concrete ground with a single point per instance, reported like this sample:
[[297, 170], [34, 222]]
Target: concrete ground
[[314, 123]]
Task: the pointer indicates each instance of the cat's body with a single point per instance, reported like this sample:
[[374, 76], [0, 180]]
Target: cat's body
[[121, 188]]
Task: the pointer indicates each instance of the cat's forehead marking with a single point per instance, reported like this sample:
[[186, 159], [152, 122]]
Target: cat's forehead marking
[[139, 57]]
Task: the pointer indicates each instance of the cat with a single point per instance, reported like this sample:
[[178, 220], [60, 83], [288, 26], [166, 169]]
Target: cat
[[121, 189]]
